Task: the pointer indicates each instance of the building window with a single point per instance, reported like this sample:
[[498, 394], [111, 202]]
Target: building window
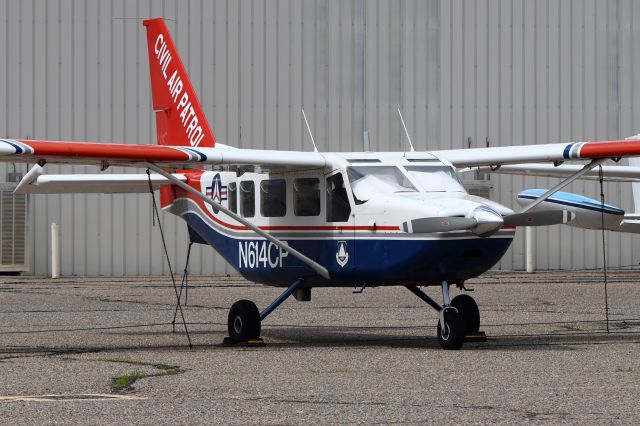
[[247, 198], [338, 207], [273, 198], [232, 197], [306, 197]]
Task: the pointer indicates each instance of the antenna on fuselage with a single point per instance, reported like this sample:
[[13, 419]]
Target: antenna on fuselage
[[315, 149], [366, 143], [406, 132]]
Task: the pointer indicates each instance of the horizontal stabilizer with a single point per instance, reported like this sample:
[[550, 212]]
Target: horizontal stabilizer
[[92, 183], [630, 226]]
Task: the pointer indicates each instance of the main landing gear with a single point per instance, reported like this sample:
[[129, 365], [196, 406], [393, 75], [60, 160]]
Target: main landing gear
[[457, 318], [245, 320]]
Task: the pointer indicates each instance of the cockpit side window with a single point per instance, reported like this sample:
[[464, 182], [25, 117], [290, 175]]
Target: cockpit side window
[[306, 197], [338, 207]]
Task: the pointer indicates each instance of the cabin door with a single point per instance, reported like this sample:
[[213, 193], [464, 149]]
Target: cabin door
[[340, 255]]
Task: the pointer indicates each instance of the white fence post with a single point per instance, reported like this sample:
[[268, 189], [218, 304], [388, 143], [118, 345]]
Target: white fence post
[[55, 251], [530, 248]]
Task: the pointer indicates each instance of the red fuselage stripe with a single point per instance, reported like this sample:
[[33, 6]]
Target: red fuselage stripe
[[201, 204], [197, 200]]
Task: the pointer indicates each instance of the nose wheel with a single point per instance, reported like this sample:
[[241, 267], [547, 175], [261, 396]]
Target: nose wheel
[[451, 329]]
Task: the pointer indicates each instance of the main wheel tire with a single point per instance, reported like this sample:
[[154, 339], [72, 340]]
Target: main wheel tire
[[468, 310], [244, 321], [453, 335]]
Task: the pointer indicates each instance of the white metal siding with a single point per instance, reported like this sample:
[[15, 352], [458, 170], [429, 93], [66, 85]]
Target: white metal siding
[[524, 72], [513, 71]]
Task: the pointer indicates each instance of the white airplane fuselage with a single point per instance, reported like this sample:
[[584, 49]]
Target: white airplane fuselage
[[350, 216]]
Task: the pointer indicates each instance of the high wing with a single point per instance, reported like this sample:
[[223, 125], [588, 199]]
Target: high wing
[[105, 154], [179, 157], [497, 156], [609, 172]]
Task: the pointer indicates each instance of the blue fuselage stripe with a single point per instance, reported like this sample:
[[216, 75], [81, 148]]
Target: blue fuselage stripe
[[374, 262]]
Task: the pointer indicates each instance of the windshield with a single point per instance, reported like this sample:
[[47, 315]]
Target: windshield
[[367, 181], [435, 178]]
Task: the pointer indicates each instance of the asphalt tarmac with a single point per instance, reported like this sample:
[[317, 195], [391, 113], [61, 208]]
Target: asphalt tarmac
[[71, 349]]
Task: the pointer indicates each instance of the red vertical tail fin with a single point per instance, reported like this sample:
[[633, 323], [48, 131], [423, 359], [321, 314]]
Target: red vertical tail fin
[[179, 117]]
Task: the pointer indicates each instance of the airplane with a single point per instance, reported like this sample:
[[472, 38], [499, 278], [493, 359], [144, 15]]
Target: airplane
[[594, 214], [299, 220]]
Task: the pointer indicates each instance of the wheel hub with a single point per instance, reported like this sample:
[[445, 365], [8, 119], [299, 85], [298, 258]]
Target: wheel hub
[[445, 332], [237, 324]]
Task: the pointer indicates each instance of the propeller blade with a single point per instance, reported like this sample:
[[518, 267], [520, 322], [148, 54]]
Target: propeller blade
[[428, 225], [539, 218]]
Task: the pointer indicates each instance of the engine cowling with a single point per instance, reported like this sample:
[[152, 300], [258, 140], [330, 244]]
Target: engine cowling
[[588, 212]]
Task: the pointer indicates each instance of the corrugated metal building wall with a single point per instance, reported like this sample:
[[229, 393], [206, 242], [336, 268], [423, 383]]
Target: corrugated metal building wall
[[508, 71]]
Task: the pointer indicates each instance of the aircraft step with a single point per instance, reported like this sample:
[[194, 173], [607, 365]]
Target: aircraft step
[[479, 336], [249, 343]]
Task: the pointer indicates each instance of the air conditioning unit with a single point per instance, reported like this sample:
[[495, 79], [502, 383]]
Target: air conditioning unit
[[479, 184], [13, 230]]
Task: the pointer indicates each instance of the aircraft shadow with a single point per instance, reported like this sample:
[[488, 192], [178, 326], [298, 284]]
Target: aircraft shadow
[[336, 337]]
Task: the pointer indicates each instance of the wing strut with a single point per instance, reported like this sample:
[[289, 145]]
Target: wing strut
[[320, 270], [564, 183]]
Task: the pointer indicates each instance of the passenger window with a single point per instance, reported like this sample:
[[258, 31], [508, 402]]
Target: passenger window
[[232, 197], [273, 198], [247, 198], [306, 197], [338, 208]]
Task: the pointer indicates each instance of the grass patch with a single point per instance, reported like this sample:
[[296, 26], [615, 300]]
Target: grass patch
[[125, 383], [623, 370]]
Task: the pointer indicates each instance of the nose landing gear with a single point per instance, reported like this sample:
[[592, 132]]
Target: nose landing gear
[[458, 318], [450, 329]]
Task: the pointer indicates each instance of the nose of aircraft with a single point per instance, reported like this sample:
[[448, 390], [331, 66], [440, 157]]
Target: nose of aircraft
[[454, 214], [489, 221]]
